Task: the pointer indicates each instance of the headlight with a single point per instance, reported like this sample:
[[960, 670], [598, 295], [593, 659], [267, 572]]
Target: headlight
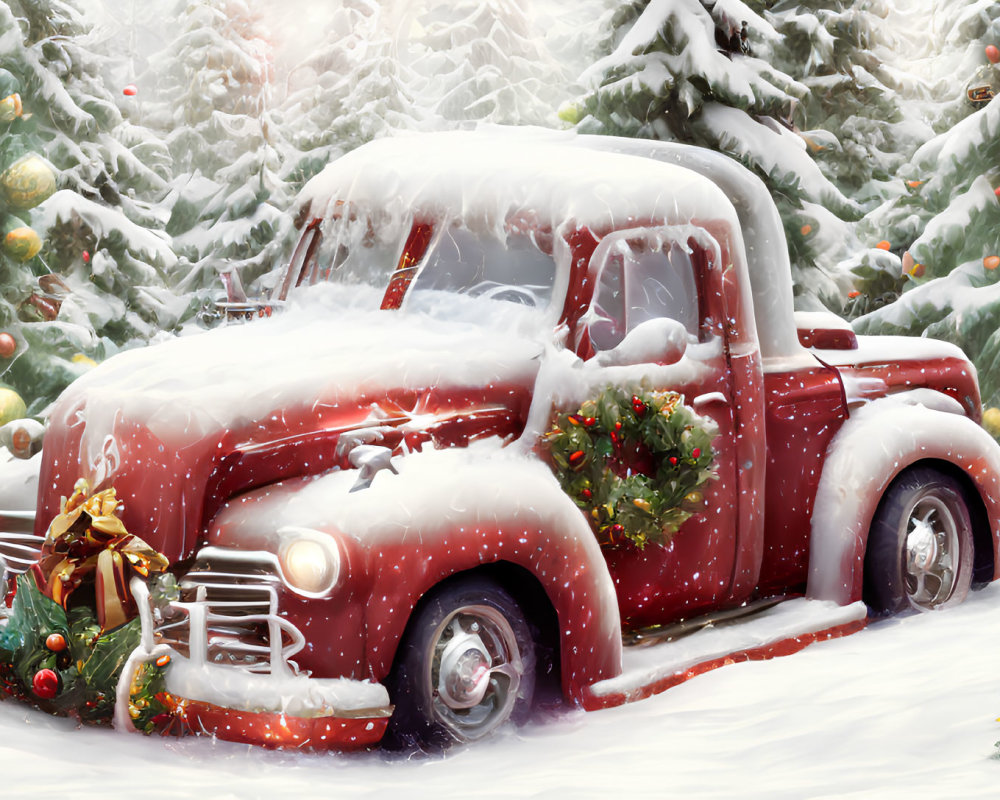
[[310, 561]]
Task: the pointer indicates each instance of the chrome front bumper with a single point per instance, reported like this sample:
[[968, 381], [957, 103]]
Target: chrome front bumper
[[277, 708]]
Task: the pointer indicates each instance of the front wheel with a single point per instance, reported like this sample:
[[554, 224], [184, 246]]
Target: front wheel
[[920, 547], [465, 667]]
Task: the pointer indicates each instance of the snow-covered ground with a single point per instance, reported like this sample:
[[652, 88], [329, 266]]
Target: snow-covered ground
[[905, 708]]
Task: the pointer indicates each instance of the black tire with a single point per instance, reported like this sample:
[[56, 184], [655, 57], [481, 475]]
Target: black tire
[[920, 547], [465, 667]]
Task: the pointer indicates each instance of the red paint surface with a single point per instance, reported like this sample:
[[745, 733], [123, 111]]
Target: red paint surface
[[272, 730], [804, 410], [783, 647]]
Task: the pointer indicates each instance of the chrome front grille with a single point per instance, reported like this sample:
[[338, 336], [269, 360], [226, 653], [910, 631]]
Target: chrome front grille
[[19, 546], [227, 614]]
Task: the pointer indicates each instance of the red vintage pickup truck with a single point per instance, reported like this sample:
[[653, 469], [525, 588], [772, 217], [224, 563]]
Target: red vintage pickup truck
[[531, 398]]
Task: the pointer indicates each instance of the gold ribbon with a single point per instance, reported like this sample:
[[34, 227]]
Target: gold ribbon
[[87, 541]]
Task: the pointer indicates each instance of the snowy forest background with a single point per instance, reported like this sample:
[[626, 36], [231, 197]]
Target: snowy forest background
[[181, 131]]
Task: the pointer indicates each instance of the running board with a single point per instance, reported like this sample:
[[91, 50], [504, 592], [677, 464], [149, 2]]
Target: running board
[[654, 634], [780, 629]]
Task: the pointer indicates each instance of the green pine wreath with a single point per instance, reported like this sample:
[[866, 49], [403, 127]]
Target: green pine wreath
[[636, 462]]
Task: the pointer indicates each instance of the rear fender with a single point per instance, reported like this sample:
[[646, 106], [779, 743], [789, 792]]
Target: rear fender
[[878, 442]]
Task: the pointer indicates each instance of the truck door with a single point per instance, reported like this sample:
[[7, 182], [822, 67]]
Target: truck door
[[675, 273]]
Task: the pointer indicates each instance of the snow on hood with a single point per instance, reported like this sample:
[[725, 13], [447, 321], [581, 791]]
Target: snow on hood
[[317, 351]]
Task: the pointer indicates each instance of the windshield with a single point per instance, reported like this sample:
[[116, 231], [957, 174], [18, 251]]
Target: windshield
[[515, 267], [445, 269], [347, 247]]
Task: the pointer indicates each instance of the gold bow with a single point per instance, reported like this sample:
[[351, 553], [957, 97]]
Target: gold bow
[[87, 541]]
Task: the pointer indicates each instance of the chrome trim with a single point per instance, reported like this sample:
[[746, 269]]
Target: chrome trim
[[229, 617], [20, 547]]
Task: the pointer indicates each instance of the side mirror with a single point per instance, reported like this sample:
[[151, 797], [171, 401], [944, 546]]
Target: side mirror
[[655, 341]]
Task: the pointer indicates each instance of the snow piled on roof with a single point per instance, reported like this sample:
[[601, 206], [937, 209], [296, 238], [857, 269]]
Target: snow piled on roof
[[485, 175]]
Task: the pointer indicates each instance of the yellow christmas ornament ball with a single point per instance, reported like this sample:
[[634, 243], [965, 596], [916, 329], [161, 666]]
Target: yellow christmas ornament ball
[[27, 182], [11, 406], [22, 243], [991, 421]]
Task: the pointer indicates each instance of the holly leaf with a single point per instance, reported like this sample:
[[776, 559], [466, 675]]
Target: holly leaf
[[109, 655], [33, 617]]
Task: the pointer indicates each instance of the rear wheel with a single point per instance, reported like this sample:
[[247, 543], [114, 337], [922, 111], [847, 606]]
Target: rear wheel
[[465, 667], [920, 547]]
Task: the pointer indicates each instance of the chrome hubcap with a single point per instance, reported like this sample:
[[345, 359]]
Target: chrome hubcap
[[931, 547], [475, 671]]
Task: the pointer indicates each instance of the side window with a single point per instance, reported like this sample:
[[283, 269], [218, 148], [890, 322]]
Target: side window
[[642, 275]]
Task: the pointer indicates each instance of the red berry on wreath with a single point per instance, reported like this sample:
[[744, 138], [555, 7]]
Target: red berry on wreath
[[8, 345], [589, 421], [638, 406], [586, 494], [673, 461], [56, 642], [618, 426], [45, 684], [696, 453], [576, 457]]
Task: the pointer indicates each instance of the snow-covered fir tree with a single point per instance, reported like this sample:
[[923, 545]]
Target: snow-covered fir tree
[[482, 60], [98, 282], [349, 90], [226, 198], [703, 73], [942, 216]]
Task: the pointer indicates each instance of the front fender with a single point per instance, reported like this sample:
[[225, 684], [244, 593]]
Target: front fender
[[879, 441], [507, 509], [446, 512]]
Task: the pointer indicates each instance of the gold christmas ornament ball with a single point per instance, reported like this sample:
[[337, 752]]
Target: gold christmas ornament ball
[[694, 498], [991, 421], [11, 108], [22, 244], [27, 182], [11, 406]]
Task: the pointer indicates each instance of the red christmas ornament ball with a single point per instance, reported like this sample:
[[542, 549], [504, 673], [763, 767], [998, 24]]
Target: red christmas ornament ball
[[45, 684], [56, 642], [992, 53], [130, 90], [8, 345]]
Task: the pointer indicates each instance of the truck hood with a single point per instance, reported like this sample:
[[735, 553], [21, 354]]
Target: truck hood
[[170, 424]]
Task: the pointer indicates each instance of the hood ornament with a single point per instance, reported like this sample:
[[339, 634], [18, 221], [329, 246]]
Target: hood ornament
[[370, 459]]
